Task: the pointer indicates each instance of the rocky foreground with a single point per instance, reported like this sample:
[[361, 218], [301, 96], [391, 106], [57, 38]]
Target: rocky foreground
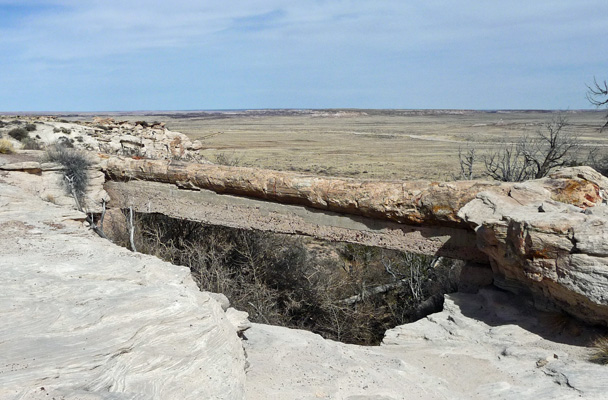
[[84, 319]]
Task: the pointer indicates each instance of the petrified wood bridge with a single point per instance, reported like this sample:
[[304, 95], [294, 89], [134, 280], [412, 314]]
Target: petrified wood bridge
[[545, 237], [411, 216]]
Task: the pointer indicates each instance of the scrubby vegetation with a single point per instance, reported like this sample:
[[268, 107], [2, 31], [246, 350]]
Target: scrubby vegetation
[[18, 134], [31, 144], [344, 292], [75, 164], [600, 351], [6, 147], [531, 157]]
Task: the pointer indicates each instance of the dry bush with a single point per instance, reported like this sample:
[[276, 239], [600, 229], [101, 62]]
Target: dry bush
[[231, 160], [531, 157], [278, 279], [18, 134], [6, 147], [600, 351], [31, 144], [75, 164]]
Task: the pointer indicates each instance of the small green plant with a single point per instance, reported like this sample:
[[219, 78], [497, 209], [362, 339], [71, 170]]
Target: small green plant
[[6, 147], [600, 354], [75, 164], [30, 127], [18, 134]]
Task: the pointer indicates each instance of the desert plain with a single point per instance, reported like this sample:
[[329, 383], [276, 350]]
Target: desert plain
[[374, 144]]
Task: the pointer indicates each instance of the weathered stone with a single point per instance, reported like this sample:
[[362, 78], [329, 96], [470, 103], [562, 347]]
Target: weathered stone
[[484, 346], [85, 319]]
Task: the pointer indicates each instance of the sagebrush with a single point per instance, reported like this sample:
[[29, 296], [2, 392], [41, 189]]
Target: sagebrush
[[18, 134]]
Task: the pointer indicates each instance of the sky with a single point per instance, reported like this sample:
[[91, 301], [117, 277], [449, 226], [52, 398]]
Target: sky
[[127, 55]]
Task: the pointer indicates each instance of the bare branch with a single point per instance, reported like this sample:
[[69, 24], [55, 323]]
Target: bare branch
[[597, 94]]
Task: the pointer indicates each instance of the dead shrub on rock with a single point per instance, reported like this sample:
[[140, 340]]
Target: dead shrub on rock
[[75, 164]]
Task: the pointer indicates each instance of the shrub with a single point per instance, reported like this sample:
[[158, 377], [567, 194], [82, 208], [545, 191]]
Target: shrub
[[31, 144], [6, 147], [75, 164], [18, 134], [231, 160], [600, 355], [30, 127]]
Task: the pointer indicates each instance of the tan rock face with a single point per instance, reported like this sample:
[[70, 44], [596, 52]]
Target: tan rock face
[[553, 250], [105, 135]]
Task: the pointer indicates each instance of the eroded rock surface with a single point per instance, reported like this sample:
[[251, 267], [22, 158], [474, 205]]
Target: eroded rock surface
[[84, 319], [105, 135], [481, 346], [554, 250], [46, 180]]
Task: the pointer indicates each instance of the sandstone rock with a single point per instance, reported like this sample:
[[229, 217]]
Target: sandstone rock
[[48, 184], [84, 319], [120, 138], [481, 346], [238, 319]]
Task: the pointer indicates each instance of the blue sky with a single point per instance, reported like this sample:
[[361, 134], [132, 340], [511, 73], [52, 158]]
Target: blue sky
[[111, 55]]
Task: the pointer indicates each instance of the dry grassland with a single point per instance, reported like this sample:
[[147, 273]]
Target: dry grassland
[[401, 145]]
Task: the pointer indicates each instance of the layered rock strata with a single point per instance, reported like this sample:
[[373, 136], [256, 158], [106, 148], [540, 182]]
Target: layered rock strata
[[45, 180]]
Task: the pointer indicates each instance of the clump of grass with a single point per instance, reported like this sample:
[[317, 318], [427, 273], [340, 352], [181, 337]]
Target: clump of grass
[[6, 147], [600, 354], [75, 164], [18, 134]]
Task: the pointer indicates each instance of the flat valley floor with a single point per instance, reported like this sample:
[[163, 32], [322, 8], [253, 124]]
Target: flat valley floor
[[373, 144]]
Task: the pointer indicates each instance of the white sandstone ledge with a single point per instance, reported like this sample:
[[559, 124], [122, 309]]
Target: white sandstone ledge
[[84, 319]]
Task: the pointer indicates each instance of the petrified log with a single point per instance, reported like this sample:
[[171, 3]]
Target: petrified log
[[413, 202]]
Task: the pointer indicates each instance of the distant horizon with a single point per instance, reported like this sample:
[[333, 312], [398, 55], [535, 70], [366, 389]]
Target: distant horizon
[[8, 113]]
